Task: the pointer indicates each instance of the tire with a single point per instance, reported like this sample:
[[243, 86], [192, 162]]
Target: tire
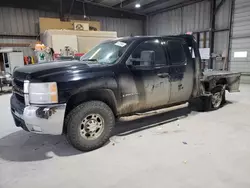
[[79, 125], [207, 102], [222, 97], [224, 101]]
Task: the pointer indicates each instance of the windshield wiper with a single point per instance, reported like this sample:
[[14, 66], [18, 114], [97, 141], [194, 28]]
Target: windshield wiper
[[90, 60]]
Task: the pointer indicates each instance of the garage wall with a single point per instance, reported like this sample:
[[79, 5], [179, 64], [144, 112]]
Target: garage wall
[[221, 39], [124, 27], [194, 17], [23, 40], [25, 22], [17, 21], [166, 23], [241, 39]]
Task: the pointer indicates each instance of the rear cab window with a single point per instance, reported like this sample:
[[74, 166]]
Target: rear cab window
[[176, 53]]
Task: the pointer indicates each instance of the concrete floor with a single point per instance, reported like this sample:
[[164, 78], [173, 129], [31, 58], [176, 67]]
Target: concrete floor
[[200, 150]]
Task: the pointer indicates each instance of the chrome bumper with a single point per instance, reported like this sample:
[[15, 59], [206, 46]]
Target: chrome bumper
[[40, 119]]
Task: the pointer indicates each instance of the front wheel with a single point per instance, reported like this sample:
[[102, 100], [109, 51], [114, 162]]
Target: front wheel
[[89, 125]]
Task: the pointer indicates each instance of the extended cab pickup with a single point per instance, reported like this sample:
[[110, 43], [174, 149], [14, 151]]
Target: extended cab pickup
[[83, 98]]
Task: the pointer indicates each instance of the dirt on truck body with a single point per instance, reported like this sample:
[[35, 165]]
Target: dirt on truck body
[[82, 99]]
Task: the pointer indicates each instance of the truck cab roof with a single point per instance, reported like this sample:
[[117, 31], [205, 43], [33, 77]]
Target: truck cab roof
[[187, 38]]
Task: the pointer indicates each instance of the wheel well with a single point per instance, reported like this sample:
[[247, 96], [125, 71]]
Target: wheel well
[[104, 95], [222, 81], [208, 86]]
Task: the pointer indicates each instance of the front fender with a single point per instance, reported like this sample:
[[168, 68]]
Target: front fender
[[96, 84], [102, 89]]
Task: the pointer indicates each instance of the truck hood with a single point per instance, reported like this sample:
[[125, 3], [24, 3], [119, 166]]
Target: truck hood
[[49, 69]]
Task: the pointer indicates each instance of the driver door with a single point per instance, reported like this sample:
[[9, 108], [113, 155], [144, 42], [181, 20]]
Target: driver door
[[152, 82]]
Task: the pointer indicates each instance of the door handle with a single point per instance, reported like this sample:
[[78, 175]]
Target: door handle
[[163, 75]]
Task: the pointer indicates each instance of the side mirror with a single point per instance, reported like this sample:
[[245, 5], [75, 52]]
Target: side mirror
[[146, 60]]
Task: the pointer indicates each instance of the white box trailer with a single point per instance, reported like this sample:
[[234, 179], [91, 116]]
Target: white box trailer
[[81, 41]]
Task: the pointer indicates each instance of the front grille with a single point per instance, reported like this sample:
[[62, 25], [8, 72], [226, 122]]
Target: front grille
[[19, 98], [16, 105], [18, 83], [18, 90]]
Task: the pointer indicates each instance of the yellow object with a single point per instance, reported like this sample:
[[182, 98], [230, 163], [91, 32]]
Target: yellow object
[[54, 95], [53, 88], [54, 98], [32, 60]]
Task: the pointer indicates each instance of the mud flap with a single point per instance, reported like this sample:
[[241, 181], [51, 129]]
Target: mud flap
[[201, 104], [206, 103]]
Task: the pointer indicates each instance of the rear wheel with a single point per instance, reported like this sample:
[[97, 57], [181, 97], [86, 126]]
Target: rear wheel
[[216, 100], [218, 97], [89, 125]]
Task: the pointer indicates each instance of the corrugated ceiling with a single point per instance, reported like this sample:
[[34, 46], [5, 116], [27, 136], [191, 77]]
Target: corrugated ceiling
[[147, 6]]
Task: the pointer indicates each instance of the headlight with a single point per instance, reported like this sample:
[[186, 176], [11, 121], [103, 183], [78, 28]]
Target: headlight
[[43, 93]]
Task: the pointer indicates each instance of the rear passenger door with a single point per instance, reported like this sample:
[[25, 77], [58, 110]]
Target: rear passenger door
[[180, 72]]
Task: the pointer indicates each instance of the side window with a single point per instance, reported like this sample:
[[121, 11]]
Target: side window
[[154, 45], [176, 52]]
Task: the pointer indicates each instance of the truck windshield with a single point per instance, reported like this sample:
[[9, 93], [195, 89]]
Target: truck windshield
[[106, 53]]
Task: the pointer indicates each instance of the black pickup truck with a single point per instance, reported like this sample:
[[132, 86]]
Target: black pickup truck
[[82, 99]]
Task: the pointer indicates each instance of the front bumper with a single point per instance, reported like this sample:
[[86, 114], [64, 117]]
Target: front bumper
[[39, 119]]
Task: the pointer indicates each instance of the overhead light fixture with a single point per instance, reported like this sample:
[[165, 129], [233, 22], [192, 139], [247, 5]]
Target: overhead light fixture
[[137, 5]]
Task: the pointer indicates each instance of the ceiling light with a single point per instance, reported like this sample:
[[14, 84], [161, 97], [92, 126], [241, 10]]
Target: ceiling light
[[137, 5]]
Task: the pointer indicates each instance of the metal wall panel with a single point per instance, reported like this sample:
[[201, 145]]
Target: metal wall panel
[[124, 27], [26, 50], [241, 22], [167, 23], [241, 39], [222, 21], [220, 47], [16, 21], [194, 17], [223, 15]]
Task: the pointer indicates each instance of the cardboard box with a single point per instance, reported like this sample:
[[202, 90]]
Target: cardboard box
[[55, 23]]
